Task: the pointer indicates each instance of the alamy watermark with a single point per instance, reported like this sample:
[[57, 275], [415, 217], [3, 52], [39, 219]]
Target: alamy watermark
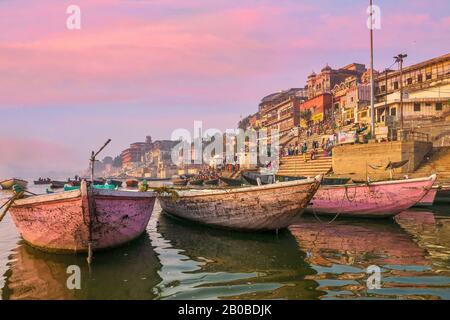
[[74, 280], [234, 146], [73, 22], [374, 19], [374, 279]]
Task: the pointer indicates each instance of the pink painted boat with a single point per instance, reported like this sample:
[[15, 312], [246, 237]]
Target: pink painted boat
[[370, 200], [70, 221], [428, 200]]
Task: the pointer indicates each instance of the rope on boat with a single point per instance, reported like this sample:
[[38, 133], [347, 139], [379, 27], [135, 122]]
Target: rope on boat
[[18, 194], [340, 209]]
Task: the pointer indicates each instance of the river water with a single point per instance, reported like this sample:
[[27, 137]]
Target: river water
[[180, 260]]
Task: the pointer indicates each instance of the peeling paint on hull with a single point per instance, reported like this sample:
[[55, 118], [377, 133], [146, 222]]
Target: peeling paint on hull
[[267, 207], [375, 200], [60, 223]]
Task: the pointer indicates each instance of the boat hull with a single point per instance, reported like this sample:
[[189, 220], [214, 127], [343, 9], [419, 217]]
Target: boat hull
[[67, 222], [266, 207], [428, 199], [443, 195], [8, 184], [375, 200]]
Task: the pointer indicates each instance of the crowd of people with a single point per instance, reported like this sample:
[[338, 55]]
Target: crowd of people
[[327, 143]]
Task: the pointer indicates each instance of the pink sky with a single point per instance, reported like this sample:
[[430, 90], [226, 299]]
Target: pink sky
[[142, 67]]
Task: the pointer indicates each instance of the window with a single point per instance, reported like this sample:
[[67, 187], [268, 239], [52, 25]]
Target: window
[[428, 76], [383, 88], [409, 81], [416, 107], [427, 104], [395, 85], [393, 111], [419, 78], [439, 106]]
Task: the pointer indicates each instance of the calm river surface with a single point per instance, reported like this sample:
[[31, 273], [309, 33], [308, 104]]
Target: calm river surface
[[180, 260]]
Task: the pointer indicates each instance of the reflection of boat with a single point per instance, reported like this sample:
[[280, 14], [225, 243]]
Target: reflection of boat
[[128, 272], [357, 243], [68, 221], [371, 200], [267, 207], [9, 183], [239, 265]]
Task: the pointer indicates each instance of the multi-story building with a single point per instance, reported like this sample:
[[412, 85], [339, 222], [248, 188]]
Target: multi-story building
[[136, 152], [426, 93], [280, 111]]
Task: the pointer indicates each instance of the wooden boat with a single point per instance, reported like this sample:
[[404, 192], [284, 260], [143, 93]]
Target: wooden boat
[[42, 182], [325, 181], [178, 181], [371, 200], [267, 207], [232, 182], [131, 183], [69, 221], [9, 183], [117, 183], [58, 184], [211, 182], [252, 178], [197, 182], [443, 195], [428, 200]]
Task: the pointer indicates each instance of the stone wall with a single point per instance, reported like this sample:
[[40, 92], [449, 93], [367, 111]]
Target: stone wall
[[354, 160]]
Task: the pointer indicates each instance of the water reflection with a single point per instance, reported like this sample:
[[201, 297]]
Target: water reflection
[[205, 263], [129, 272], [340, 253]]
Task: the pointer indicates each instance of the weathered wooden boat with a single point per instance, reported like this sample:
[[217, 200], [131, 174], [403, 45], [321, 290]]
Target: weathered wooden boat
[[325, 181], [232, 182], [9, 183], [131, 183], [267, 207], [211, 182], [428, 199], [370, 200], [71, 221]]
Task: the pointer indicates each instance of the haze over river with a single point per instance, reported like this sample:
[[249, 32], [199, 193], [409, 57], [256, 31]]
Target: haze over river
[[179, 260]]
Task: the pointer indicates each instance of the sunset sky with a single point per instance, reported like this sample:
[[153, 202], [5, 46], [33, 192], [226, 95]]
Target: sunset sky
[[140, 67]]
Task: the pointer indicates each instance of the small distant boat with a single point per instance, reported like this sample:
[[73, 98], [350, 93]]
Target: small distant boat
[[69, 221], [197, 182], [58, 184], [370, 200], [232, 182], [211, 182], [132, 183], [9, 183], [42, 181], [267, 207]]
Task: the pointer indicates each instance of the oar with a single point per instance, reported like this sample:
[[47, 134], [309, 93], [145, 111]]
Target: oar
[[9, 204]]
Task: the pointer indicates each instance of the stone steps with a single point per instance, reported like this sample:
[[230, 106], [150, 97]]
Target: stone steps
[[438, 161]]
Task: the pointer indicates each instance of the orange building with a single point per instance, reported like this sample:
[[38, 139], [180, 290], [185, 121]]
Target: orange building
[[319, 107]]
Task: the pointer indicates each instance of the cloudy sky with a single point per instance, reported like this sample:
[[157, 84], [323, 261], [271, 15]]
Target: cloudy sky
[[141, 67]]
